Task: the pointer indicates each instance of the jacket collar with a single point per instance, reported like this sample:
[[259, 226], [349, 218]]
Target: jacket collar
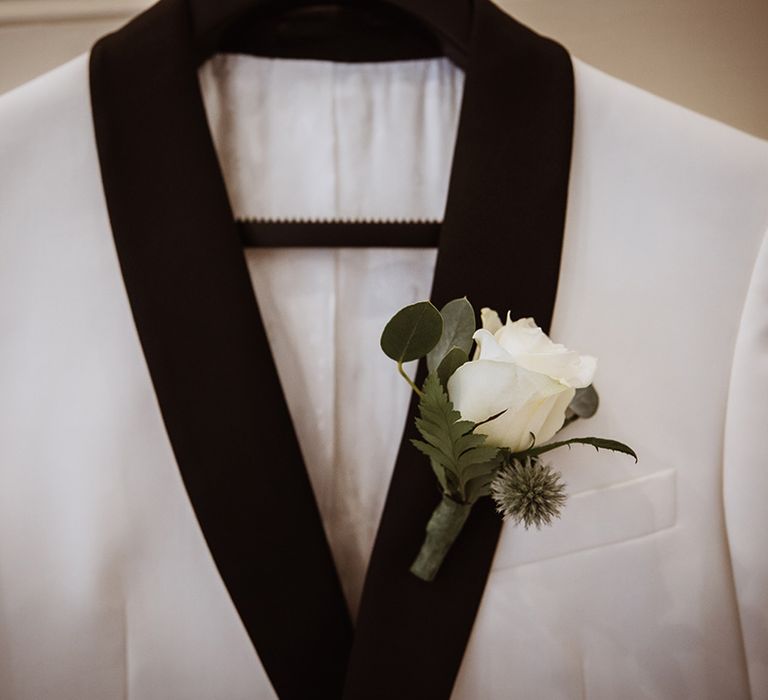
[[212, 370]]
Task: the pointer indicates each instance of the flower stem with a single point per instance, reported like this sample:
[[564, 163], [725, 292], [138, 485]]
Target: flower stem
[[442, 530], [402, 371]]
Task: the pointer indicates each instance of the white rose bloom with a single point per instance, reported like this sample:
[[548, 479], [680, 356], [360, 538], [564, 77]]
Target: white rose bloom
[[518, 369]]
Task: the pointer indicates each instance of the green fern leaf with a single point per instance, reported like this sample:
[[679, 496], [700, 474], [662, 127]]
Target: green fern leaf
[[458, 455]]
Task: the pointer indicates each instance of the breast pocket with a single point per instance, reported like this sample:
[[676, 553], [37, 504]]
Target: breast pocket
[[595, 518]]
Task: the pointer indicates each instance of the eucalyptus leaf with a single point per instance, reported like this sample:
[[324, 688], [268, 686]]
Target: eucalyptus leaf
[[454, 359], [458, 329], [597, 443], [584, 403], [412, 332]]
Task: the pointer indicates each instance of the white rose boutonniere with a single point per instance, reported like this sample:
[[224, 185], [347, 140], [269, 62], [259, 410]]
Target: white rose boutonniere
[[485, 422], [521, 374]]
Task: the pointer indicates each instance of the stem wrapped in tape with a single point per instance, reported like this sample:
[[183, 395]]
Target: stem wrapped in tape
[[442, 530]]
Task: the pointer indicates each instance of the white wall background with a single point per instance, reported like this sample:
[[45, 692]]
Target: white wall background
[[710, 55], [36, 35]]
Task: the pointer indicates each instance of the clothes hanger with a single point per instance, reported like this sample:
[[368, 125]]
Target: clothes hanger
[[257, 26], [335, 30]]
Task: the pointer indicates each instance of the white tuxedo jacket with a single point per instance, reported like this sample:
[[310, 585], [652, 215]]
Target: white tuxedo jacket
[[205, 491]]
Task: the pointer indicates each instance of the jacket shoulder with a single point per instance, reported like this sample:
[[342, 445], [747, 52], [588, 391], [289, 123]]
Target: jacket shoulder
[[628, 111], [49, 170], [694, 177], [43, 125]]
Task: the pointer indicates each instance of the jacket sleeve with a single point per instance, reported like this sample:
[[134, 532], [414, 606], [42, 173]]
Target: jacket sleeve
[[745, 474]]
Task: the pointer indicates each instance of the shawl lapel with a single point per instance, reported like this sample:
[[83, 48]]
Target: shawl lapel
[[215, 379], [500, 246], [208, 354]]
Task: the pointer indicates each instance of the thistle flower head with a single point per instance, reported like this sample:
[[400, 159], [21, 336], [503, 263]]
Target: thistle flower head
[[528, 492]]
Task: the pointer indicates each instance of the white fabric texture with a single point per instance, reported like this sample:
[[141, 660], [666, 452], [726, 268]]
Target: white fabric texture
[[319, 140], [322, 141], [746, 474], [643, 590]]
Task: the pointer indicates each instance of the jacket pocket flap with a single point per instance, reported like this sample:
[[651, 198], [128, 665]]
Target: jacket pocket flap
[[594, 518]]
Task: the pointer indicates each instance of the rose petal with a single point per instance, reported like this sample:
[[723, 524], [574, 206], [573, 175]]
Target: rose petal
[[556, 416], [524, 336], [531, 348], [488, 347], [532, 402], [490, 319]]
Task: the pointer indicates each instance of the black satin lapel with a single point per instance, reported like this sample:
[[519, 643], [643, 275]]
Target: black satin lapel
[[500, 246], [208, 354]]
